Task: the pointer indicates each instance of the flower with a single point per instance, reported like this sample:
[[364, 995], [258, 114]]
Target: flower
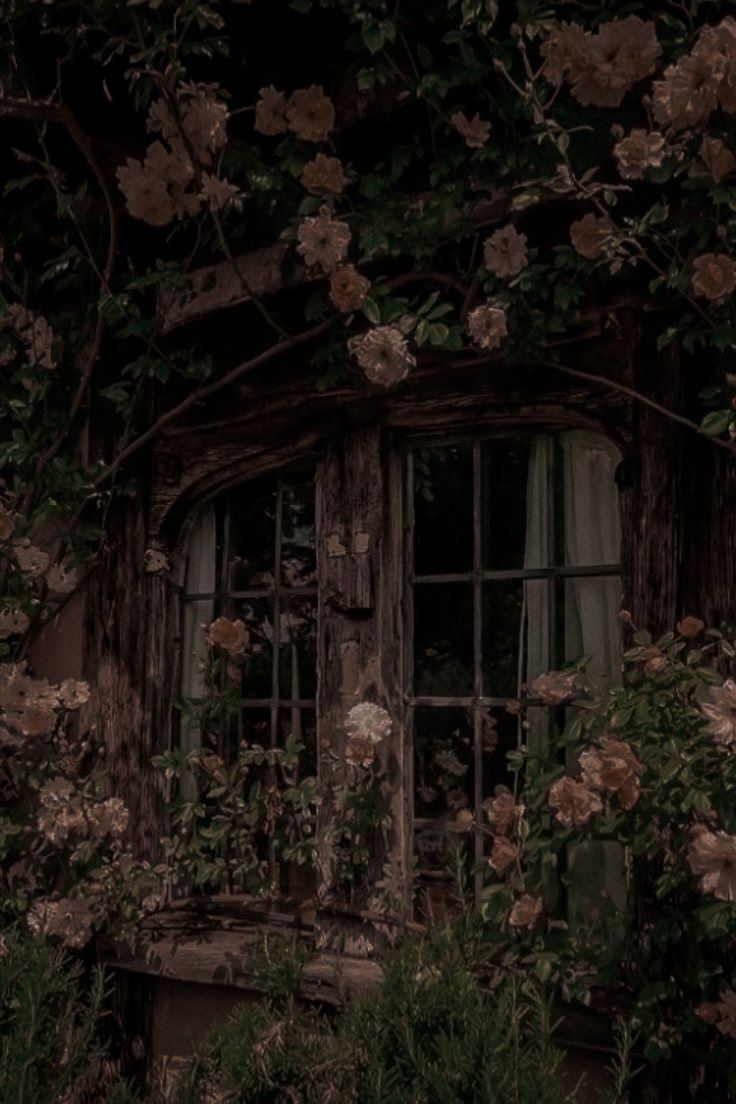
[[504, 855], [323, 175], [323, 240], [699, 81], [368, 721], [36, 719], [360, 751], [503, 812], [348, 288], [726, 1009], [31, 560], [574, 802], [231, 636], [717, 158], [563, 51], [108, 818], [310, 114], [383, 354], [146, 196], [59, 580], [464, 820], [525, 912], [73, 693], [505, 252], [589, 236], [613, 768], [555, 687], [270, 111], [35, 333], [3, 947], [7, 524], [13, 623], [714, 276], [641, 150], [612, 60], [487, 326], [154, 561], [712, 855], [217, 193], [721, 709], [199, 130], [68, 919], [475, 131], [690, 627]]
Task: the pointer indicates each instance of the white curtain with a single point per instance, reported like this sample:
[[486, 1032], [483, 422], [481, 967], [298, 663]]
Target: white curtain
[[591, 627], [200, 579]]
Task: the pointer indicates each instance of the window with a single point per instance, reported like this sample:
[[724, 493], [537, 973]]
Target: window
[[512, 569], [251, 556]]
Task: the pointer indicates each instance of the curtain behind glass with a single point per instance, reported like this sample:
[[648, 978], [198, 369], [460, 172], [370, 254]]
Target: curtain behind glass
[[535, 614], [200, 579]]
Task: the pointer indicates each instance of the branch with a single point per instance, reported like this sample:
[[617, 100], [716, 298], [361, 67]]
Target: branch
[[205, 392]]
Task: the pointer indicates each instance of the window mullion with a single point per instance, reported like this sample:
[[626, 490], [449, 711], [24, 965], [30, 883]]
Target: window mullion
[[477, 657]]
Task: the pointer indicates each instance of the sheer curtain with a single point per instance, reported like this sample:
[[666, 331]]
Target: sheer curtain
[[591, 627], [200, 579]]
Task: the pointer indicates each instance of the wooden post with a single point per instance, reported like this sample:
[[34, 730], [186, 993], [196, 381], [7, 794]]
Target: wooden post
[[359, 536]]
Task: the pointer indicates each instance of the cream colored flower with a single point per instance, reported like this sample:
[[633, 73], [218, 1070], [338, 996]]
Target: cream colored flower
[[271, 111], [613, 768], [368, 721], [714, 276], [324, 175], [574, 802], [7, 524], [589, 236], [154, 561], [323, 240], [35, 333], [36, 719], [641, 150], [712, 856], [504, 855], [503, 812], [67, 919], [360, 751], [146, 196], [690, 627], [310, 114], [505, 252], [348, 288], [61, 581], [525, 912], [74, 693], [555, 687], [108, 818], [612, 60], [721, 709], [383, 354], [32, 561], [563, 51], [687, 93], [217, 193], [231, 636], [475, 131], [487, 326], [717, 158], [13, 622]]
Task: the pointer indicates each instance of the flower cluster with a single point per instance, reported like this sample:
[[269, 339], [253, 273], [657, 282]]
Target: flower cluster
[[602, 67], [700, 81], [308, 113], [32, 707], [366, 725]]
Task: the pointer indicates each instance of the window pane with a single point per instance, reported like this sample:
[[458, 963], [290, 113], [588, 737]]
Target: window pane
[[443, 762], [252, 536], [502, 626], [301, 723], [590, 499], [257, 666], [499, 736], [505, 473], [591, 626], [298, 649], [298, 562], [443, 510], [250, 726], [443, 639]]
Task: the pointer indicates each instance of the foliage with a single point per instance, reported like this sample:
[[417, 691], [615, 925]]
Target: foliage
[[428, 1034]]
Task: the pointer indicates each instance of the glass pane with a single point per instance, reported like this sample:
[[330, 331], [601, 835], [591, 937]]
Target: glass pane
[[499, 735], [250, 726], [505, 474], [298, 562], [591, 515], [443, 762], [252, 535], [443, 639], [502, 625], [257, 663], [301, 723], [443, 510], [298, 649]]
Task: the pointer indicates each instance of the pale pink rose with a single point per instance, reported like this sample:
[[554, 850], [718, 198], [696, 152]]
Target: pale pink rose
[[717, 158], [612, 60], [714, 276], [383, 354], [690, 627], [555, 687], [487, 326], [323, 240], [712, 856], [687, 94], [32, 561], [574, 802], [563, 51], [726, 1009], [504, 855], [348, 288], [503, 812], [475, 131], [464, 820], [271, 111], [146, 196], [324, 175], [310, 114], [525, 912], [217, 193], [74, 693], [589, 236], [60, 580], [231, 636], [13, 622], [613, 768], [505, 252], [640, 150], [720, 708], [360, 751]]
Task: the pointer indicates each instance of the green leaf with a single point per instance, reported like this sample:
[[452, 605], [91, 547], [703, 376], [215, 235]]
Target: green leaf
[[716, 422], [371, 310]]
